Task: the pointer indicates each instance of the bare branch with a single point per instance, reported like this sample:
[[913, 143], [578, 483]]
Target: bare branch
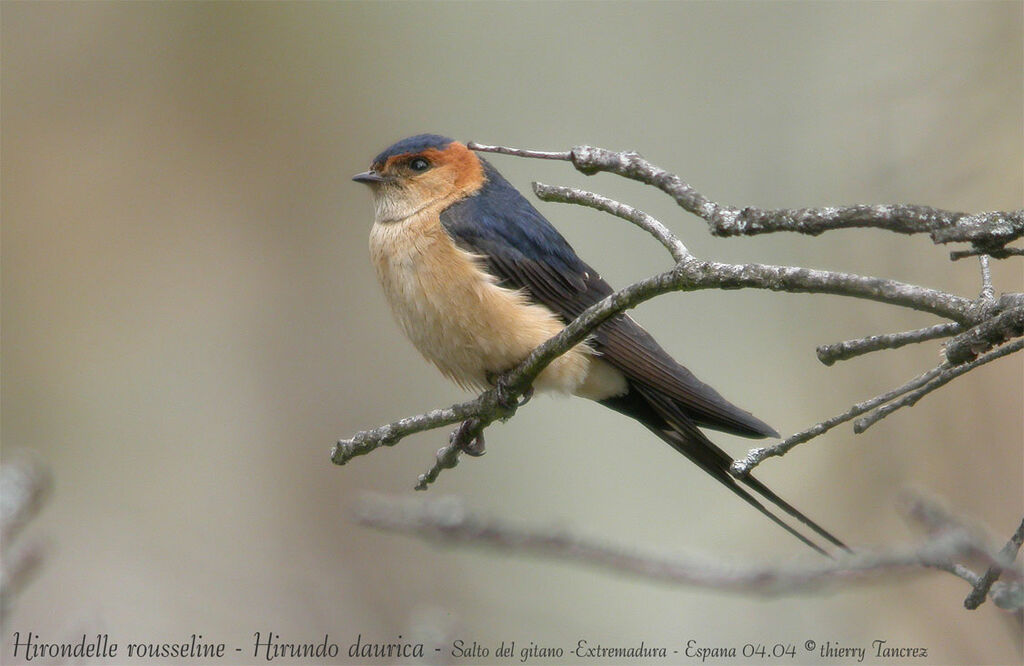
[[913, 391], [841, 351], [967, 345], [564, 155], [467, 438], [628, 213], [807, 280], [995, 253], [756, 456], [704, 275], [988, 292], [948, 374], [24, 486], [984, 230], [388, 435], [989, 231], [984, 584], [448, 520], [447, 458]]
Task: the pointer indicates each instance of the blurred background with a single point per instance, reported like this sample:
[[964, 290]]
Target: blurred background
[[190, 319]]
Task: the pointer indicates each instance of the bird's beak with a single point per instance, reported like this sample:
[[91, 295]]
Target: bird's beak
[[368, 177]]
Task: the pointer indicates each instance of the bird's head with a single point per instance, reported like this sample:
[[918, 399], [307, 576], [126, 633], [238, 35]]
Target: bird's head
[[419, 171]]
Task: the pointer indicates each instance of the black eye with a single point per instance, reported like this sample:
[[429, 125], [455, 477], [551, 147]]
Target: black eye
[[419, 164]]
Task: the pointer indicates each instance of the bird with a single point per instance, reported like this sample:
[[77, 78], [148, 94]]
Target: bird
[[477, 277]]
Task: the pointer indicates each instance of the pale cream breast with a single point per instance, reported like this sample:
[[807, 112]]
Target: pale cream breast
[[462, 321]]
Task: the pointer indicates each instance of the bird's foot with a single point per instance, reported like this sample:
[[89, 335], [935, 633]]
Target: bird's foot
[[505, 396], [463, 438]]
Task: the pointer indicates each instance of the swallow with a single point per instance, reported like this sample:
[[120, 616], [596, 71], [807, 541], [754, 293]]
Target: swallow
[[477, 278]]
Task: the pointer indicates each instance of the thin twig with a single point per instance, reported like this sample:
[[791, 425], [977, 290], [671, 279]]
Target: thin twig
[[994, 228], [998, 252], [447, 458], [467, 438], [758, 455], [564, 155], [388, 435], [936, 519], [1009, 553], [621, 210], [995, 331], [841, 351], [988, 292], [25, 484], [948, 374], [806, 280]]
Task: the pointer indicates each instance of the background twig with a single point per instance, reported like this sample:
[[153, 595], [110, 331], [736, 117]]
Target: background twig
[[448, 520], [24, 486]]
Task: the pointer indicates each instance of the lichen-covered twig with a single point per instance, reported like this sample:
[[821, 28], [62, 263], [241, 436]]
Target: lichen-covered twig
[[968, 345], [988, 291], [757, 455], [641, 219], [988, 231], [842, 351], [885, 403], [946, 374]]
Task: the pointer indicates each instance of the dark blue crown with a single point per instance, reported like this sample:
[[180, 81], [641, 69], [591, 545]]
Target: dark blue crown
[[414, 144]]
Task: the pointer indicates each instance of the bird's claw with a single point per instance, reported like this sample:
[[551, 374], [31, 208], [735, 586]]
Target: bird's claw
[[506, 396], [471, 446], [475, 447]]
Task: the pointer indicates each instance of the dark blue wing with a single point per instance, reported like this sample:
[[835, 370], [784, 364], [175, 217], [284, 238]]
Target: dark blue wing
[[524, 251]]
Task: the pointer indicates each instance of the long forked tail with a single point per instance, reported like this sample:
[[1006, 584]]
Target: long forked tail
[[664, 418], [767, 493], [719, 469]]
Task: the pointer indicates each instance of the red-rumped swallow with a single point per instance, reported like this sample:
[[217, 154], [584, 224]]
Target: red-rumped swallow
[[477, 278]]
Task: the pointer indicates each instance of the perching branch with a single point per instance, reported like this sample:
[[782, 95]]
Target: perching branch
[[708, 275], [449, 521], [501, 401], [980, 325]]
